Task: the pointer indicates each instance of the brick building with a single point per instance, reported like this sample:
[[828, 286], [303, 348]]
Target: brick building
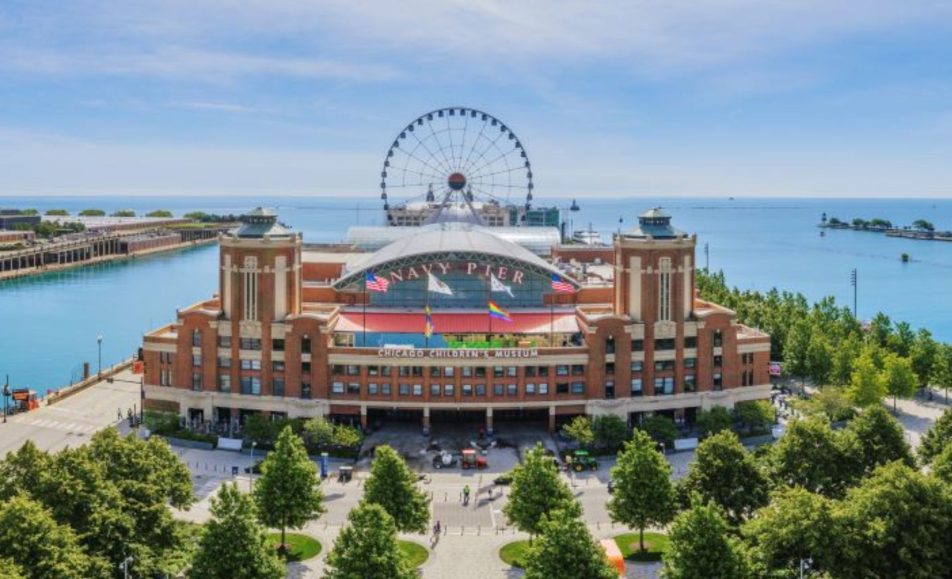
[[294, 331]]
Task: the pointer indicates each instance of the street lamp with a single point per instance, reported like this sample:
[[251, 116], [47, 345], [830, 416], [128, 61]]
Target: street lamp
[[99, 343], [125, 566], [251, 469], [6, 394]]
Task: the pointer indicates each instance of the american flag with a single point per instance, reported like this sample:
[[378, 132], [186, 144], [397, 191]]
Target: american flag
[[376, 284], [562, 286]]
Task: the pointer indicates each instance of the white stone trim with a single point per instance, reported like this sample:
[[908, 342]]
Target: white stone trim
[[159, 347], [750, 348]]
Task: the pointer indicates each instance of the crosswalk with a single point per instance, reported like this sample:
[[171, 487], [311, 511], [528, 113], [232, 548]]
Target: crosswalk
[[60, 425]]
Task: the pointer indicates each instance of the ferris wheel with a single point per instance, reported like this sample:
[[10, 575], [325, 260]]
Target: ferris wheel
[[456, 152]]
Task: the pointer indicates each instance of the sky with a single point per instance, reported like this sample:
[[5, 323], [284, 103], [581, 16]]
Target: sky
[[784, 98]]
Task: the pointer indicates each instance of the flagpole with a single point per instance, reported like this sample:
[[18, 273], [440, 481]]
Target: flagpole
[[551, 320], [366, 299], [427, 315]]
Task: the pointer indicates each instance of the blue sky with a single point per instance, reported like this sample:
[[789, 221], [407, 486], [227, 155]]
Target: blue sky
[[635, 98]]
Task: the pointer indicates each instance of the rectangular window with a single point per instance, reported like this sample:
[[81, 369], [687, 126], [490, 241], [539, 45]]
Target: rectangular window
[[497, 372], [480, 390], [638, 366], [251, 364], [718, 381], [718, 361], [277, 366], [403, 371], [277, 344], [690, 341], [497, 389], [543, 371], [404, 390], [385, 389], [690, 362], [197, 360], [353, 388], [337, 387], [664, 344], [224, 362], [690, 383], [353, 370], [530, 389], [578, 370], [373, 370], [610, 345], [578, 388], [255, 386], [224, 382], [418, 389], [224, 341], [480, 372], [562, 388], [467, 371], [664, 365], [637, 345], [417, 371], [543, 388], [467, 389], [250, 344], [305, 367], [305, 345], [610, 368], [449, 372], [718, 339], [434, 371], [434, 389], [512, 390], [277, 387], [609, 389], [636, 387], [530, 371], [306, 390], [448, 390], [561, 370], [385, 370], [372, 389], [512, 371], [337, 370], [197, 338]]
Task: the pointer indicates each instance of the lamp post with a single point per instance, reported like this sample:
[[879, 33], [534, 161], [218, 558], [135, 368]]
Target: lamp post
[[125, 566], [99, 344], [6, 394], [854, 279], [251, 469]]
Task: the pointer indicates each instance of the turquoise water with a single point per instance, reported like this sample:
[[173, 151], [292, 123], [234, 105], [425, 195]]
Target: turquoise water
[[49, 323]]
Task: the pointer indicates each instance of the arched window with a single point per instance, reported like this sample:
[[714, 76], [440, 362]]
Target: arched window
[[196, 337], [250, 274], [664, 288], [610, 345]]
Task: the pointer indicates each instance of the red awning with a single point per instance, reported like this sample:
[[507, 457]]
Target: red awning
[[458, 323]]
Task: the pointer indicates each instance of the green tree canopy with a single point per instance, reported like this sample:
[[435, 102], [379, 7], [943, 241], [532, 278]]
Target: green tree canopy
[[610, 431], [700, 547], [942, 465], [164, 213], [714, 420], [724, 473], [10, 570], [923, 355], [880, 438], [579, 429], [643, 494], [819, 358], [899, 378], [796, 355], [896, 523], [756, 415], [935, 439], [45, 549], [796, 525], [393, 486], [942, 369], [830, 404], [867, 386], [811, 455], [536, 490], [233, 545], [660, 428], [57, 212], [287, 493], [566, 550], [91, 213], [367, 547], [124, 213]]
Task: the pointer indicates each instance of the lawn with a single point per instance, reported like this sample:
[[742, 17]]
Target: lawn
[[300, 547], [514, 553], [655, 544], [415, 553]]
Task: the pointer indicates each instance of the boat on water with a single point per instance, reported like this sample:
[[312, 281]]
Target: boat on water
[[587, 236]]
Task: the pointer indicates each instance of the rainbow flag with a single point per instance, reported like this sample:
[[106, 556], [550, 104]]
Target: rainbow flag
[[428, 326], [497, 312]]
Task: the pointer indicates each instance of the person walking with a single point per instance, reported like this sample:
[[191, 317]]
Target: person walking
[[466, 495]]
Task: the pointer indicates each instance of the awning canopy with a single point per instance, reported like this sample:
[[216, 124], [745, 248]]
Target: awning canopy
[[458, 323]]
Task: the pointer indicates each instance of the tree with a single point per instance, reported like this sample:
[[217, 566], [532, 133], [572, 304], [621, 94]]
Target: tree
[[880, 438], [866, 383], [393, 486], [660, 428], [899, 378], [923, 225], [164, 213], [317, 432], [923, 355], [795, 526], [367, 547], [844, 355], [701, 547], [580, 430], [90, 213], [896, 523], [942, 369], [287, 493], [830, 404], [880, 328], [57, 212], [233, 545], [714, 420], [819, 358], [33, 540], [610, 431], [796, 356], [10, 570], [757, 415], [935, 439], [124, 213], [811, 455], [724, 473], [643, 495], [536, 491], [942, 465], [566, 550], [196, 215]]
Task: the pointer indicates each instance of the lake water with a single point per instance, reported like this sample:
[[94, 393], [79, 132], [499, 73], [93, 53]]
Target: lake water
[[49, 323]]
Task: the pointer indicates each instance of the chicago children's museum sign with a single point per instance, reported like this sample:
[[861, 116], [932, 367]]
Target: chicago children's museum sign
[[467, 354]]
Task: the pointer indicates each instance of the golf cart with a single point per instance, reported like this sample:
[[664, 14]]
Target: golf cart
[[443, 460], [473, 460], [345, 474], [580, 460]]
